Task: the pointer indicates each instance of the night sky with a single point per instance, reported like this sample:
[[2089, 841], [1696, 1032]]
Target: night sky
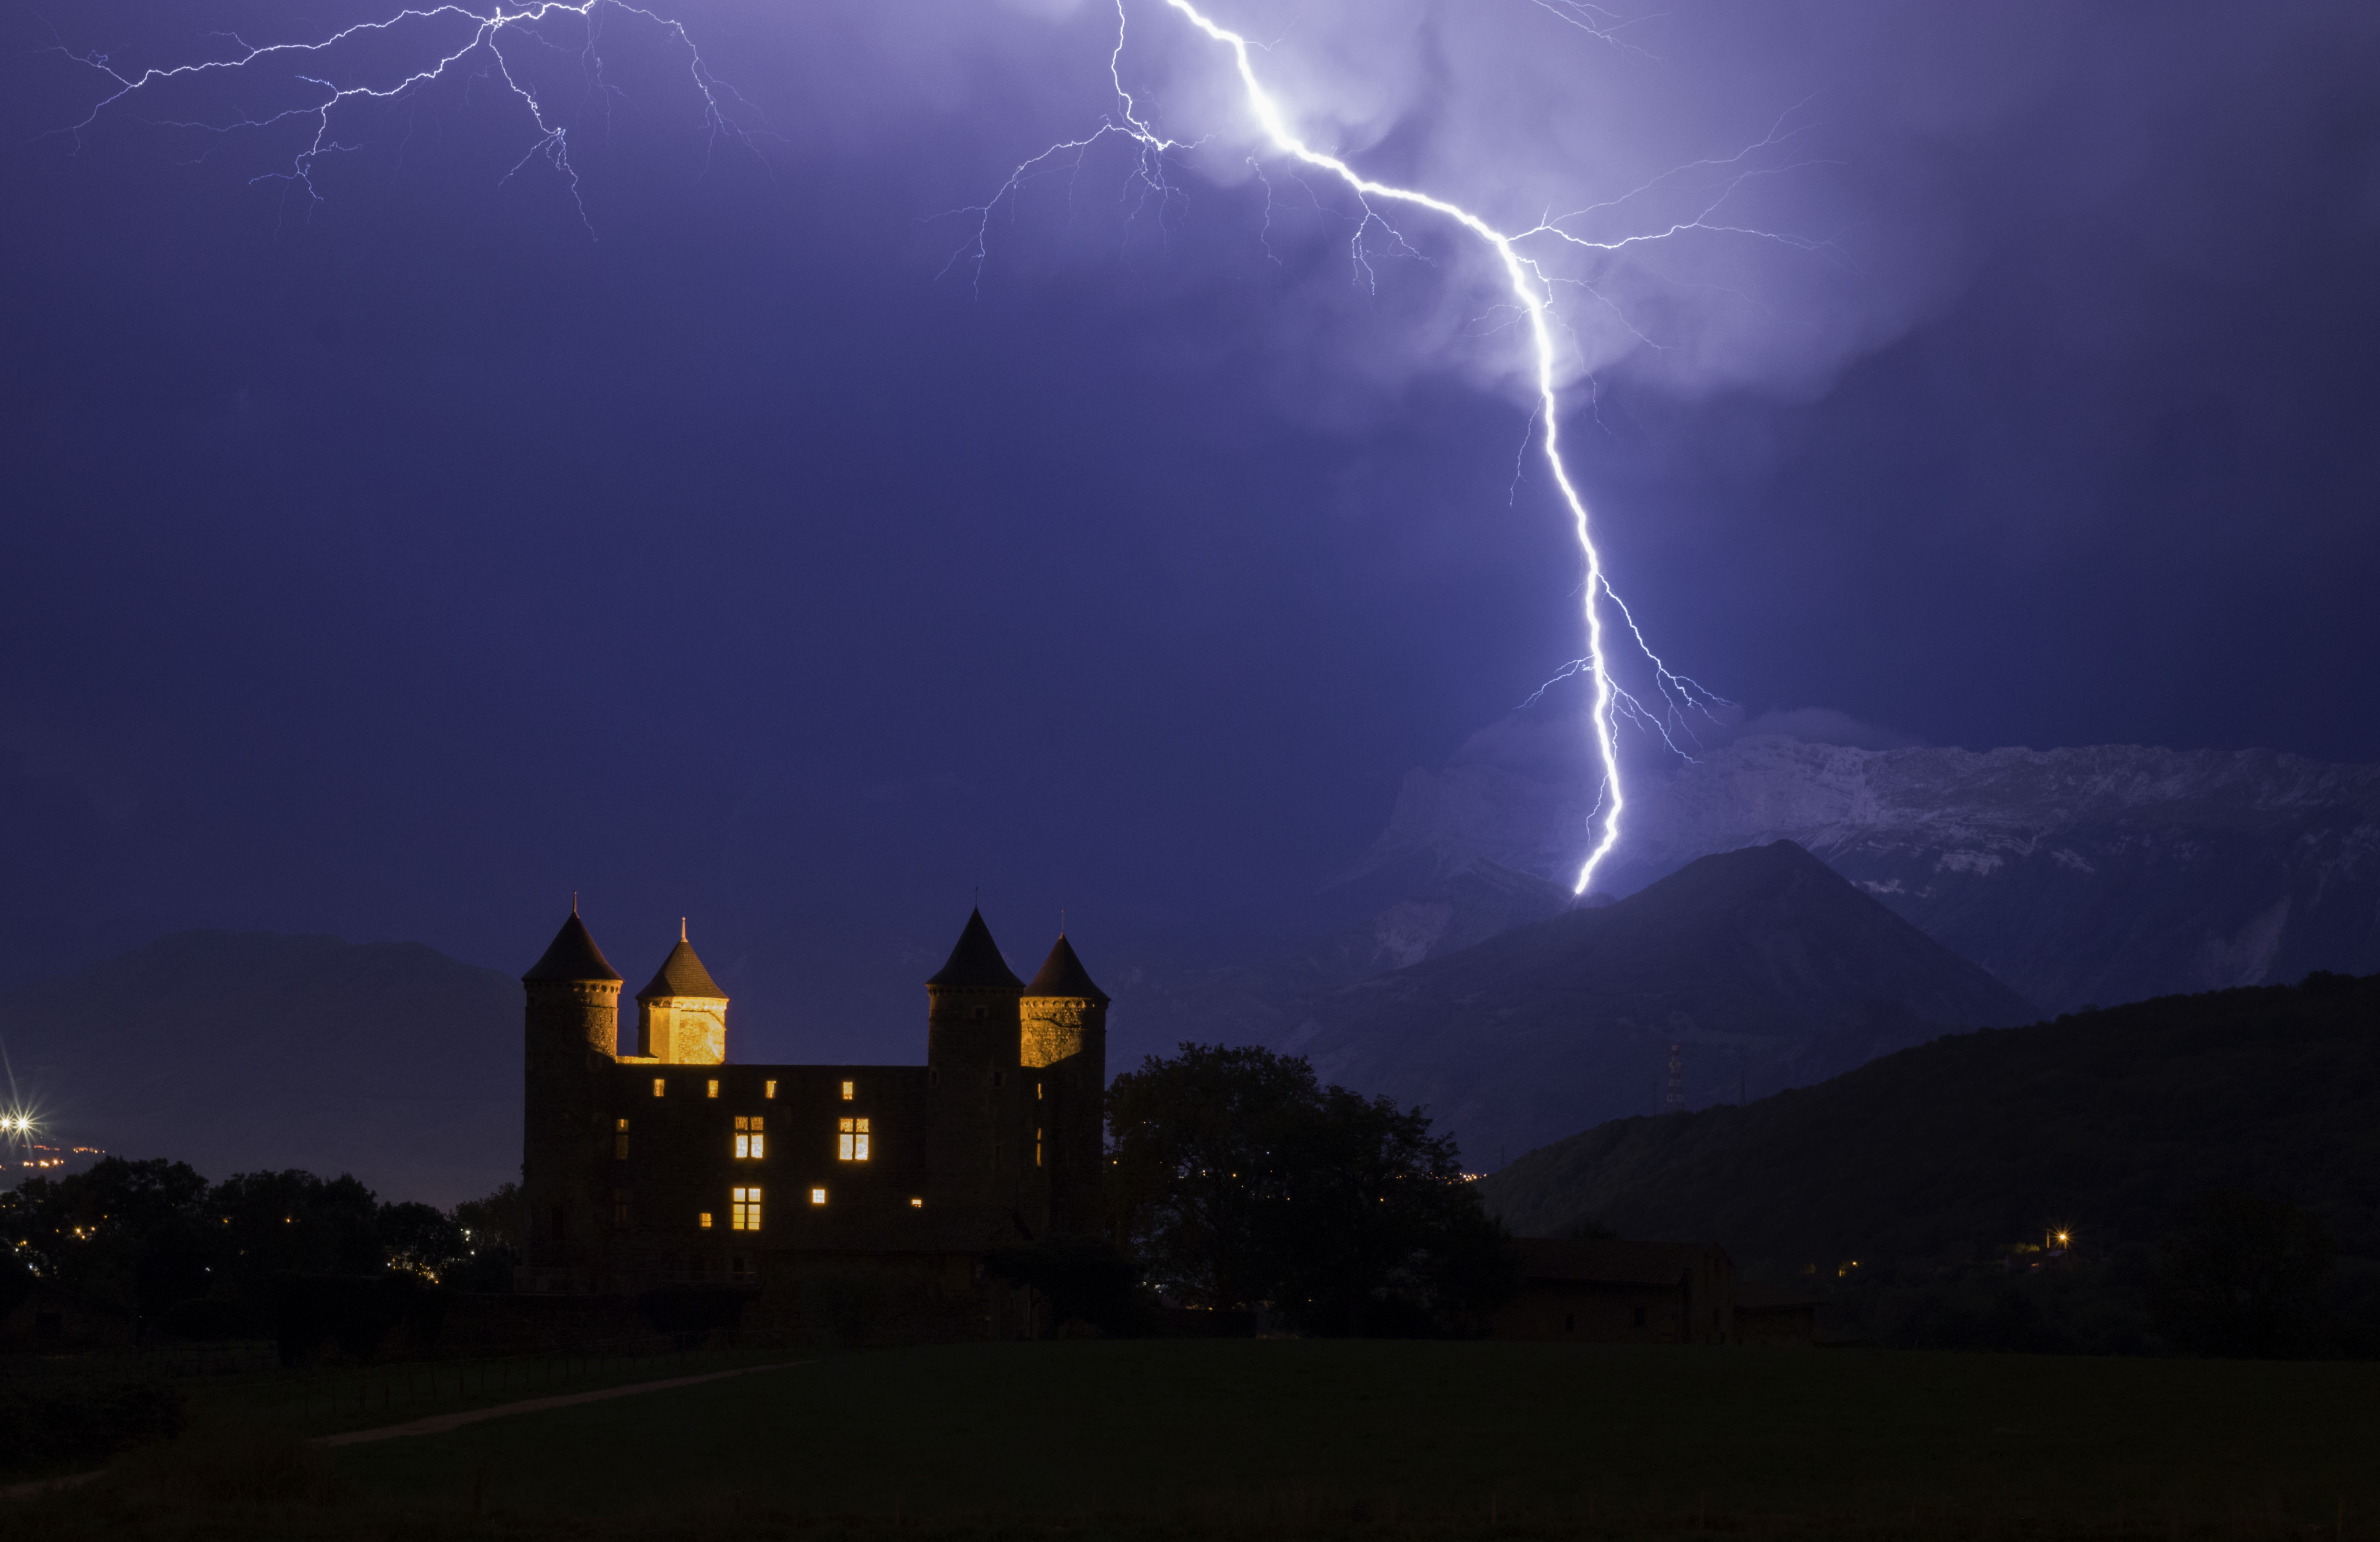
[[395, 565]]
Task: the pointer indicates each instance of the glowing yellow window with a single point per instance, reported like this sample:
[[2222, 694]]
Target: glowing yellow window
[[768, 1089], [818, 1197], [620, 1142], [846, 1092], [851, 1141], [916, 1203], [658, 1085], [1037, 1148], [748, 1137], [619, 1210], [743, 1210], [703, 1221], [712, 1089]]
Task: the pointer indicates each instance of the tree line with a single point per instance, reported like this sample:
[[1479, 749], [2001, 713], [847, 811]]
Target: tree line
[[154, 1244], [1237, 1183]]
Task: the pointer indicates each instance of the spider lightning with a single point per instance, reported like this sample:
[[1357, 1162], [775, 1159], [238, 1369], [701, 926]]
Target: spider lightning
[[481, 46], [484, 45]]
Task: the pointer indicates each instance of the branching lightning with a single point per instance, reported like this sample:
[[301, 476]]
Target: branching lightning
[[479, 44], [1532, 291], [482, 46]]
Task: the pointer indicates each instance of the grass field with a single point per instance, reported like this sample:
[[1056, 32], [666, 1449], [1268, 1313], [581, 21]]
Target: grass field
[[1293, 1439]]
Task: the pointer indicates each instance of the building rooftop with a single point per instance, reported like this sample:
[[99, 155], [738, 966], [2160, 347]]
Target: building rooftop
[[975, 963], [682, 974], [1606, 1261], [1063, 974], [572, 955]]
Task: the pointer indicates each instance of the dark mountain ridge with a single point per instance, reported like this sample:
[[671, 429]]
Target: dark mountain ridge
[[2102, 1123], [1769, 968], [241, 1052], [2097, 873]]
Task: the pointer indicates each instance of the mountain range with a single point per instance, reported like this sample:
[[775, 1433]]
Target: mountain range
[[1763, 965], [2101, 874], [245, 1052], [2103, 1125]]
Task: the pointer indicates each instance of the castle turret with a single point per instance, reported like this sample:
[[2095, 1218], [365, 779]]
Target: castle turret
[[682, 1016], [1065, 1037], [572, 1035], [971, 1074]]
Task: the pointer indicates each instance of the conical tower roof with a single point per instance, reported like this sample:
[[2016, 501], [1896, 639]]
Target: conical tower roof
[[572, 956], [975, 963], [682, 974], [1063, 974]]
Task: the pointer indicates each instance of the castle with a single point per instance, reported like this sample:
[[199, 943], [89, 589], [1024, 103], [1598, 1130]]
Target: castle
[[671, 1165]]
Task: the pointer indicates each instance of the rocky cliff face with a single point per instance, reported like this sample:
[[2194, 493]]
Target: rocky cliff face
[[2101, 874]]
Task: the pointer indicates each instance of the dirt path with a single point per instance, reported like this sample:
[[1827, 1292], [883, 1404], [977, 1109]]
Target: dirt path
[[438, 1423]]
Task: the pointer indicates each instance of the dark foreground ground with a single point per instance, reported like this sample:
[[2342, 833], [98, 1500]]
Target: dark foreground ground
[[1266, 1439]]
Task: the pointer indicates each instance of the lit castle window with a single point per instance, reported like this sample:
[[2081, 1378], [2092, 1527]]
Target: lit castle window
[[768, 1089], [711, 1090], [620, 1142], [846, 1092], [818, 1197], [658, 1085], [851, 1141], [744, 1210], [748, 1137]]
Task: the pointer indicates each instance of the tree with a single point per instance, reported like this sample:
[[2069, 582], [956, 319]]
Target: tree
[[420, 1239], [1382, 1235], [1240, 1179], [292, 1222], [2242, 1275], [124, 1236], [492, 1227], [1201, 1153]]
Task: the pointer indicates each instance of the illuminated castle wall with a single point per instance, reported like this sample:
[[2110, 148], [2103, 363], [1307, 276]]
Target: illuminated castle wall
[[674, 1164]]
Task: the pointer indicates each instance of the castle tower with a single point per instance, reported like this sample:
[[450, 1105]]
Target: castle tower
[[682, 1016], [572, 1034], [972, 1075], [1064, 1034]]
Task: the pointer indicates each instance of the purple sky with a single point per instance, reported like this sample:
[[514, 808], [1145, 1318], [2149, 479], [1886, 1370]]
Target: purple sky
[[395, 566]]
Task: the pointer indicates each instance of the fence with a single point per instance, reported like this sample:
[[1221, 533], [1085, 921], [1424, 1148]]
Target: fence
[[406, 1384]]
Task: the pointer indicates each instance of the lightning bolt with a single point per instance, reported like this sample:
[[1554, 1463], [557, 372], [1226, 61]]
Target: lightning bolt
[[480, 44], [484, 39], [1533, 295]]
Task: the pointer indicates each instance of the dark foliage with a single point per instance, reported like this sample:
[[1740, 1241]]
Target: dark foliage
[[355, 1317], [151, 1245], [1086, 1279], [496, 1220], [419, 1239], [2244, 1275], [491, 1231], [1239, 1179], [53, 1426], [689, 1313]]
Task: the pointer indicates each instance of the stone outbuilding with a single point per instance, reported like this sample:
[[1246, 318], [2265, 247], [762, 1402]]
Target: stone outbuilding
[[1603, 1291]]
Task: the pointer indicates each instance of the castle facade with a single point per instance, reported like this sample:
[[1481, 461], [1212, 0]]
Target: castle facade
[[669, 1163]]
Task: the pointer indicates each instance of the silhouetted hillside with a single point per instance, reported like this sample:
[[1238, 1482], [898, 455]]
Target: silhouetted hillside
[[2104, 1123], [236, 1052], [1767, 966]]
